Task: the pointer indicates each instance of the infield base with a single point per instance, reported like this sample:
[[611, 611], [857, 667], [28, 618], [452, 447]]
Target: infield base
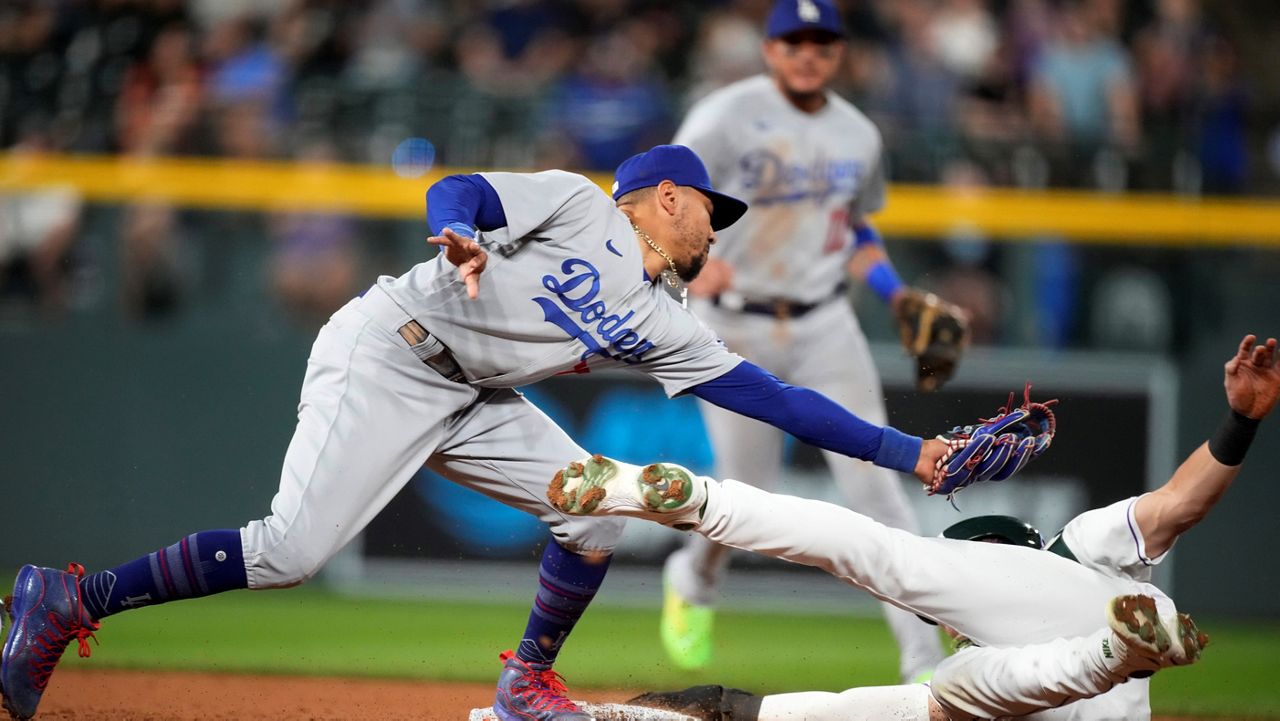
[[603, 712]]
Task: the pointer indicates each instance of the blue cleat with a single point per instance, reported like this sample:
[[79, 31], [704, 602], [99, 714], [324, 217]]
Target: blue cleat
[[533, 691], [44, 614]]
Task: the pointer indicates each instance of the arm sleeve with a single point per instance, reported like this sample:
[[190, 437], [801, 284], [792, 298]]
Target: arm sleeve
[[468, 200], [810, 416]]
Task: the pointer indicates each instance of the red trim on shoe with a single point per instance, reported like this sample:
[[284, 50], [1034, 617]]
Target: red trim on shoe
[[543, 690], [48, 646]]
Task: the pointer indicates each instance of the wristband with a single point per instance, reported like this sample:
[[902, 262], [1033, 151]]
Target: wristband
[[462, 229], [865, 235], [884, 280], [898, 450], [1229, 445]]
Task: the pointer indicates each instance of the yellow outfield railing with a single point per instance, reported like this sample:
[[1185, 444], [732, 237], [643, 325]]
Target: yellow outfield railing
[[913, 210]]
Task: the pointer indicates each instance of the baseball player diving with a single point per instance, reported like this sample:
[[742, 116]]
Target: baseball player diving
[[1067, 632], [775, 289], [540, 274]]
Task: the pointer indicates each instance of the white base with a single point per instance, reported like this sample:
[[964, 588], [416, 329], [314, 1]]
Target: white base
[[603, 712]]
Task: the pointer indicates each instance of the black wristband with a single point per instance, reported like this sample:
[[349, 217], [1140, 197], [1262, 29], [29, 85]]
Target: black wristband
[[1232, 440]]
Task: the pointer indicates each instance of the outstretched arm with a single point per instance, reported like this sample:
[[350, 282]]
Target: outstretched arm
[[1252, 382], [817, 420]]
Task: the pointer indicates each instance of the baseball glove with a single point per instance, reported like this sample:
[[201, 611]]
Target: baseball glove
[[934, 332], [996, 448]]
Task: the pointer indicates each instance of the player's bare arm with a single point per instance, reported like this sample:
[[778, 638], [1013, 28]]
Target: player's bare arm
[[466, 254], [1252, 383]]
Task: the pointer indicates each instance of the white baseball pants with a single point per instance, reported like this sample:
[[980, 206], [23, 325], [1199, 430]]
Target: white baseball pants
[[371, 414], [995, 594], [824, 350]]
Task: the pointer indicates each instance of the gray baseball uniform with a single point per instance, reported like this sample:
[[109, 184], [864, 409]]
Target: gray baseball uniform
[[564, 291], [805, 176]]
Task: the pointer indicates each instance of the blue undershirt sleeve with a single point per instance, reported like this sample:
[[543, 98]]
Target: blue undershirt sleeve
[[464, 202], [751, 391]]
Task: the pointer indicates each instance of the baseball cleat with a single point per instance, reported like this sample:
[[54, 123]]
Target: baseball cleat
[[532, 691], [1146, 642], [45, 613], [663, 492], [685, 629]]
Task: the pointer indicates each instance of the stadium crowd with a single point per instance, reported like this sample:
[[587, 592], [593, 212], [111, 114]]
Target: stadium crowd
[[1098, 93], [1102, 94]]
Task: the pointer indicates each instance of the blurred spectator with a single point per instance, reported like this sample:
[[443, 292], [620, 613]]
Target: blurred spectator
[[920, 95], [316, 263], [1223, 151], [245, 68], [1166, 52], [162, 97], [154, 278], [1082, 93], [610, 107], [968, 278], [964, 36], [30, 67], [38, 230], [992, 113], [727, 50], [516, 49]]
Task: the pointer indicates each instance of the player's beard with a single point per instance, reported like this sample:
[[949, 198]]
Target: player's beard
[[697, 242], [691, 271]]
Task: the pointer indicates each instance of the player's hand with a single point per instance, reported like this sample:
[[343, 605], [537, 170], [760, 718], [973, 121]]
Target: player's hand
[[716, 277], [466, 254], [932, 451], [1252, 378]]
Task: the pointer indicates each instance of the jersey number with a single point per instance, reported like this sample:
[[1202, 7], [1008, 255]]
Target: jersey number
[[838, 233]]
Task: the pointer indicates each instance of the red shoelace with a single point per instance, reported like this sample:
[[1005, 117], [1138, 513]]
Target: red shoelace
[[50, 644], [543, 690]]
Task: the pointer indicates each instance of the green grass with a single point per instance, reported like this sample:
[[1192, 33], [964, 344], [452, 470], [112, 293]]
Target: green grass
[[309, 631]]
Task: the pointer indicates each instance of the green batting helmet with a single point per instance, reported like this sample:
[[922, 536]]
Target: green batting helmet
[[996, 529]]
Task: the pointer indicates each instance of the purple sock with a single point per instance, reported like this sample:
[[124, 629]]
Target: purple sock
[[566, 584], [199, 565]]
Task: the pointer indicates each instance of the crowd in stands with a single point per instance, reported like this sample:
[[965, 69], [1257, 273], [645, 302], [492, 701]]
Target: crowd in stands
[[1093, 93], [1103, 94]]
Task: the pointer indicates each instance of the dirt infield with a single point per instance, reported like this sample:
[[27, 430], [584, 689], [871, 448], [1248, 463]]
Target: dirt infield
[[169, 696], [81, 695]]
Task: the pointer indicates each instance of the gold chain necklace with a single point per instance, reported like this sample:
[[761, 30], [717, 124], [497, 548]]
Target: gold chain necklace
[[673, 279]]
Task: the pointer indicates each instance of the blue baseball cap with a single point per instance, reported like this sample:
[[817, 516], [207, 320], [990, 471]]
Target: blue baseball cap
[[793, 16], [681, 166]]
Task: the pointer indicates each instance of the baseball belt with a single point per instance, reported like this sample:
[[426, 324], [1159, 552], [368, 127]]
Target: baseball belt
[[780, 308], [435, 355]]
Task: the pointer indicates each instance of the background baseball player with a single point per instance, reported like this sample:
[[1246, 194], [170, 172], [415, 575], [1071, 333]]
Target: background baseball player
[[421, 369], [775, 290], [994, 594]]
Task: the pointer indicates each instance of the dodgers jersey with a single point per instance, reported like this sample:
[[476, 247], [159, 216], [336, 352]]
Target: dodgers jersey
[[564, 291], [804, 176], [1107, 540]]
